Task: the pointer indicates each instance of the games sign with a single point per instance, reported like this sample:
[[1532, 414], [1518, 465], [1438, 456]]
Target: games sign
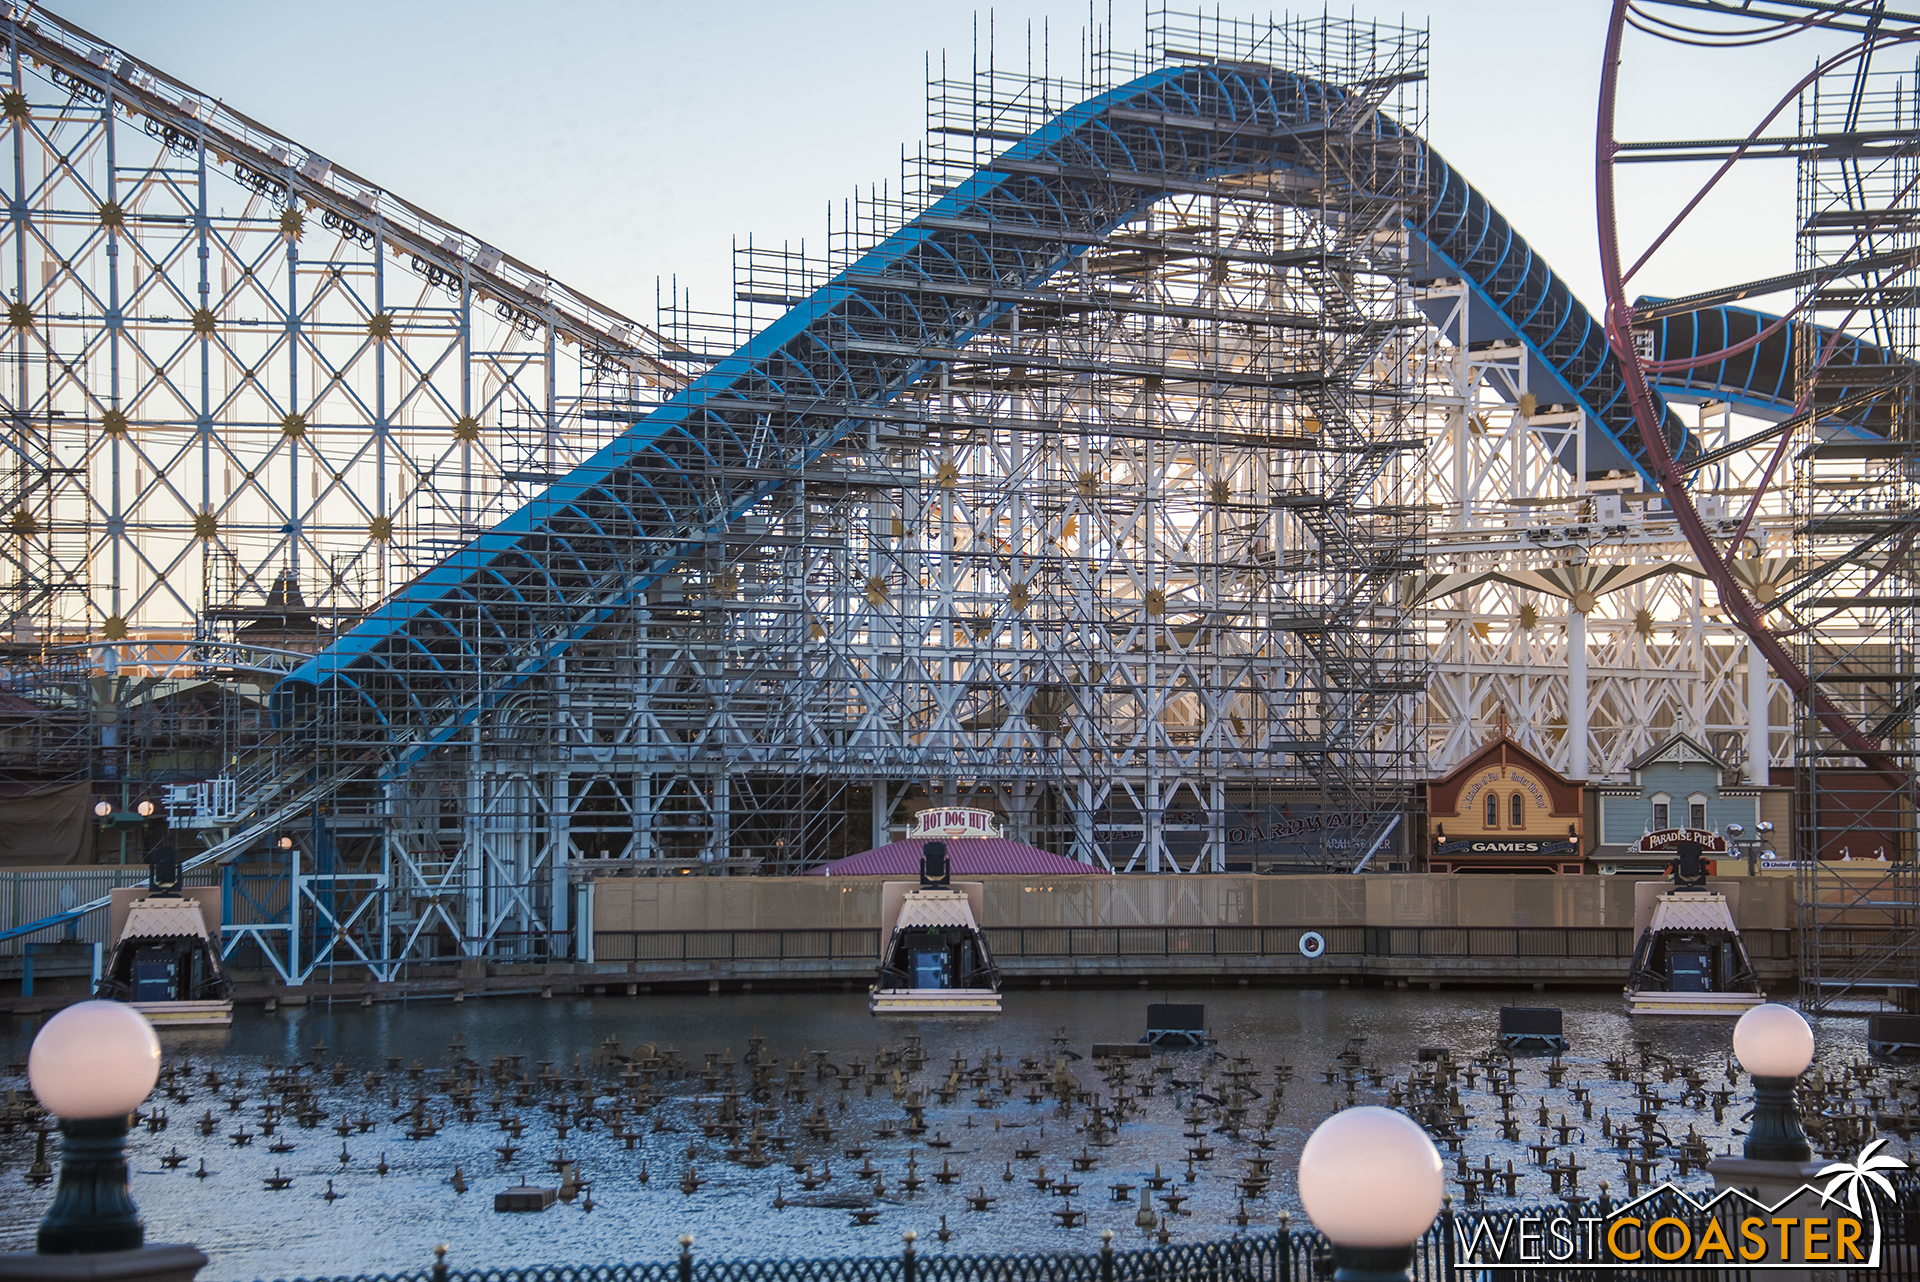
[[1506, 846]]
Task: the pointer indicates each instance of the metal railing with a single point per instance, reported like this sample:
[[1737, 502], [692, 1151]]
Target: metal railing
[[1284, 941], [1038, 943], [693, 946], [27, 897]]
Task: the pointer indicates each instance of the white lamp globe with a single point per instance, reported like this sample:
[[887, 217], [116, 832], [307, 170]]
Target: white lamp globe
[[94, 1059], [1370, 1177], [1773, 1041]]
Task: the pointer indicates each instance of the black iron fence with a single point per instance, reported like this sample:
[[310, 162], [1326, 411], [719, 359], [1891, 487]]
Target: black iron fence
[[1455, 1249]]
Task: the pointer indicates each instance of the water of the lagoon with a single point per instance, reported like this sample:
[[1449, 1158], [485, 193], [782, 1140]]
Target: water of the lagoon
[[392, 1223]]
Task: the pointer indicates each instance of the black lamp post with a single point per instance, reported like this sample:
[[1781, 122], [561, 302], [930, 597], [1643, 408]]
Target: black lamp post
[[1775, 1045], [91, 1066]]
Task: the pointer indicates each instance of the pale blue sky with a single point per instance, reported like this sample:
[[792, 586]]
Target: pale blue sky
[[610, 143]]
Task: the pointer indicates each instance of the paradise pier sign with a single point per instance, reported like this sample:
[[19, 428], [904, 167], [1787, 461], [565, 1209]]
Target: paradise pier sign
[[1667, 842], [1668, 1229]]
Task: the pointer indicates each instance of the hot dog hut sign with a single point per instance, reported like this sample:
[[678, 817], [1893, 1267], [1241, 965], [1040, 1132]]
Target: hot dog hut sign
[[949, 823]]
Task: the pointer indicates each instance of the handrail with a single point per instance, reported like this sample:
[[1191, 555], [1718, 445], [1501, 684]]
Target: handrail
[[1016, 943], [223, 851]]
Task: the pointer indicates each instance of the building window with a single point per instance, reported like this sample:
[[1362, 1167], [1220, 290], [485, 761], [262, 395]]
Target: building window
[[1519, 811], [1662, 812], [1493, 811], [1697, 812]]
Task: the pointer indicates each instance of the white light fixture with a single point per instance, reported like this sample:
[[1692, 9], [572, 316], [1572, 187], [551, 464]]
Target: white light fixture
[[91, 1066], [94, 1059], [103, 808], [1773, 1041], [1372, 1181], [145, 809], [1775, 1045]]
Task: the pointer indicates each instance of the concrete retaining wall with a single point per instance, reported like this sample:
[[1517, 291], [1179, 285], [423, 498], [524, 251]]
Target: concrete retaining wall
[[813, 903], [1394, 929]]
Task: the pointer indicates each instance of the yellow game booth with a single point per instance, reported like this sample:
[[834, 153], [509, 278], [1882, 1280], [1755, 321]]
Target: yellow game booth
[[1504, 810]]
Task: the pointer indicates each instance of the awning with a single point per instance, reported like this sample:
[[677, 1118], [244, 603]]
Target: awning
[[935, 910], [1692, 914], [164, 919]]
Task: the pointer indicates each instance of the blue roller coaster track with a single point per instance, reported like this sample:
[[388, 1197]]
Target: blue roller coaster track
[[1760, 379], [457, 639], [462, 636]]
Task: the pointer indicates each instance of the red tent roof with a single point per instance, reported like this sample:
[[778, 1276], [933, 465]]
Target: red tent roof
[[966, 856]]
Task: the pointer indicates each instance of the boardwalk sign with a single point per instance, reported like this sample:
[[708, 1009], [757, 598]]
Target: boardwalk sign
[[1834, 1221]]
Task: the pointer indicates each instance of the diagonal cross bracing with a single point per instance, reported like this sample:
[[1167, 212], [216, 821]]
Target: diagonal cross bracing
[[464, 634]]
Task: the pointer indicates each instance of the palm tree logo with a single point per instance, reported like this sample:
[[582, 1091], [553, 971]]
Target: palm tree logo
[[1864, 1172]]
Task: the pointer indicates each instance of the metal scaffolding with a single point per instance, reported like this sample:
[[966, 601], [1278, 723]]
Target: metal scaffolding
[[248, 393], [1855, 499], [1126, 564], [1149, 464], [1103, 516]]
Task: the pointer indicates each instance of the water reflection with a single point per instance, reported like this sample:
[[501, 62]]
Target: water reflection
[[392, 1221]]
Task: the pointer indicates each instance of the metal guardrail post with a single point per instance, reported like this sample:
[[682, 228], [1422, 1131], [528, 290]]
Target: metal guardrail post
[[440, 1263], [908, 1266], [1106, 1255], [686, 1257]]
